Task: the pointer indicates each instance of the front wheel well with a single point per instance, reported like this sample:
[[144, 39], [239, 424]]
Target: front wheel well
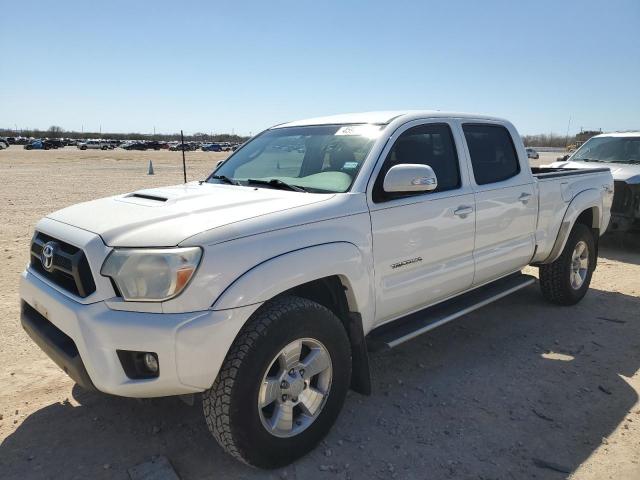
[[327, 291], [331, 293]]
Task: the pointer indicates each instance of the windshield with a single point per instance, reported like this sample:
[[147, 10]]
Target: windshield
[[609, 149], [323, 159]]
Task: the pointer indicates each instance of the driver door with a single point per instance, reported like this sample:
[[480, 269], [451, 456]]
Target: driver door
[[422, 242]]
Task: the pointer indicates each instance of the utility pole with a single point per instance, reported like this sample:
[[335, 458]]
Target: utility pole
[[184, 163]]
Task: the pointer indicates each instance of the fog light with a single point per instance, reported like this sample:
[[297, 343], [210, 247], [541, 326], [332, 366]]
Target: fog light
[[151, 362], [139, 365]]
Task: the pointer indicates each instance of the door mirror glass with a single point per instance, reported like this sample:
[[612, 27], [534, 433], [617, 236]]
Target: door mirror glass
[[410, 177]]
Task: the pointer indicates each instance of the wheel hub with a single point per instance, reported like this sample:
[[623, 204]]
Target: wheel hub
[[295, 387], [579, 265]]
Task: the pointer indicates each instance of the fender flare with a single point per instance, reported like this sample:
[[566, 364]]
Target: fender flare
[[288, 270], [585, 200]]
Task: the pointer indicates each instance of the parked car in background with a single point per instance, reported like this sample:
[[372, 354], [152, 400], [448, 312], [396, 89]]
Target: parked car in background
[[620, 152], [531, 153], [135, 145], [55, 142], [262, 286], [188, 147], [37, 145], [156, 145], [211, 147], [93, 145], [4, 143]]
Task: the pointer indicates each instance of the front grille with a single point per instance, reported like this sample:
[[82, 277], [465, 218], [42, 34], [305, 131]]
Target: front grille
[[69, 269]]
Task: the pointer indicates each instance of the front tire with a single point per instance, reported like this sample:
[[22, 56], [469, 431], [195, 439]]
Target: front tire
[[282, 384], [566, 280]]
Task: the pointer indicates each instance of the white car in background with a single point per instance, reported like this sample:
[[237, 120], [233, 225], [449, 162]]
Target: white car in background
[[620, 152], [531, 153], [93, 145]]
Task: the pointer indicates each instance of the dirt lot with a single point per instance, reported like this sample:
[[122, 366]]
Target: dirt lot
[[519, 389]]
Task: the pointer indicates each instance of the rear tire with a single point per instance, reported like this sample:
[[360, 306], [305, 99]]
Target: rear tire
[[566, 280], [252, 392]]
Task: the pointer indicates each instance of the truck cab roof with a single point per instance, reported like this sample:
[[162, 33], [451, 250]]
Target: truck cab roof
[[384, 117]]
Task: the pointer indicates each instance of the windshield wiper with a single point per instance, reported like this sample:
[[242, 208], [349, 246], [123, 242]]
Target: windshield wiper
[[276, 183], [225, 179]]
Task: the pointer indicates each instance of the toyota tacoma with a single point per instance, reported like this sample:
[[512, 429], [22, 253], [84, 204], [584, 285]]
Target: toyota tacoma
[[265, 286]]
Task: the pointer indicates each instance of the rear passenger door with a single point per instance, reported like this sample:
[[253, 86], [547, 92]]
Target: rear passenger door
[[506, 205], [422, 242]]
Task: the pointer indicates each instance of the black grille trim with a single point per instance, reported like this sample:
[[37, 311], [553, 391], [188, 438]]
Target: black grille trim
[[70, 269]]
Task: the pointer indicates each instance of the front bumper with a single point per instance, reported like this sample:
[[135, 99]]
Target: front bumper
[[83, 339], [56, 344], [623, 223]]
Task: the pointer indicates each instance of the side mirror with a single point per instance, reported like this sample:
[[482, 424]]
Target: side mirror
[[409, 177]]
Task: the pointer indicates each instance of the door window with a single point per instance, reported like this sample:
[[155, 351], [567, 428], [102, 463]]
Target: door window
[[493, 155], [430, 144]]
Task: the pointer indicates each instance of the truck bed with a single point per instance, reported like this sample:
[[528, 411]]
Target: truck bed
[[557, 187]]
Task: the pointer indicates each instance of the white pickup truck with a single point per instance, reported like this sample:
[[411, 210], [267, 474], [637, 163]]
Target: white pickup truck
[[263, 285]]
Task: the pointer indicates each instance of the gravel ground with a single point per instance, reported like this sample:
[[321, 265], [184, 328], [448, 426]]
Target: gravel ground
[[519, 389]]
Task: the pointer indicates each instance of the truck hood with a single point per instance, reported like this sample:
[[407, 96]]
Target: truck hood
[[166, 216], [620, 171]]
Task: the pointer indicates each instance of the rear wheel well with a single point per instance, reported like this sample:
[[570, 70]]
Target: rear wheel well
[[588, 218]]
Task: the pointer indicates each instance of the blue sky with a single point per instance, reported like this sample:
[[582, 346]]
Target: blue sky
[[223, 65]]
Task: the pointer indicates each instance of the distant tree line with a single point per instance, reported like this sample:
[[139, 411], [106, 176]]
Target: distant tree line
[[55, 131], [548, 140]]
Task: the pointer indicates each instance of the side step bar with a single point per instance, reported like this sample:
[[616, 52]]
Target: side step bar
[[399, 331]]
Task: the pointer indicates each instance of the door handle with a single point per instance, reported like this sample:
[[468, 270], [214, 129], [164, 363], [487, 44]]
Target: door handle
[[524, 197], [463, 211]]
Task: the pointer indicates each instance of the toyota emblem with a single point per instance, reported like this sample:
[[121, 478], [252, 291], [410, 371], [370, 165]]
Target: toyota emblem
[[47, 255]]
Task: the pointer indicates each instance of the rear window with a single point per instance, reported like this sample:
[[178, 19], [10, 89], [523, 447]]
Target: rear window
[[493, 155]]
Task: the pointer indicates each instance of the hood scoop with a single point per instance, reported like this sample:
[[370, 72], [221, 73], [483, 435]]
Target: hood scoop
[[146, 196]]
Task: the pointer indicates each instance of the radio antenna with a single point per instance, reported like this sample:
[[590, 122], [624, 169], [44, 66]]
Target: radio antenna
[[184, 163]]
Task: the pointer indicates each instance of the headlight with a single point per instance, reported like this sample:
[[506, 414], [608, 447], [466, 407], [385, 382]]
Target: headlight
[[151, 275]]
